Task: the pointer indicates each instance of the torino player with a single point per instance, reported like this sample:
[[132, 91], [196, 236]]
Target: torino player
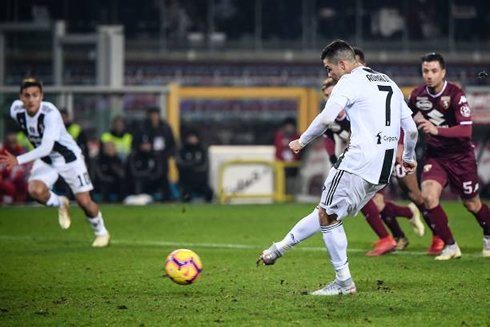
[[55, 154], [450, 157], [374, 105], [376, 208]]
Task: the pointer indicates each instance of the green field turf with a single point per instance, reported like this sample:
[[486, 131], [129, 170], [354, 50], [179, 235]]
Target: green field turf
[[50, 277]]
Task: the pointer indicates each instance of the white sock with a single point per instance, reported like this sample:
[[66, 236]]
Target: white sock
[[305, 228], [54, 200], [97, 224], [336, 243]]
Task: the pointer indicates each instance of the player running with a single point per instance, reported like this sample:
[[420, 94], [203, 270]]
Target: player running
[[55, 154], [445, 116], [375, 106]]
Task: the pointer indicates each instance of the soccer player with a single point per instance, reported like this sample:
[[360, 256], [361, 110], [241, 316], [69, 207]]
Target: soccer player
[[376, 109], [450, 157], [376, 208], [55, 154]]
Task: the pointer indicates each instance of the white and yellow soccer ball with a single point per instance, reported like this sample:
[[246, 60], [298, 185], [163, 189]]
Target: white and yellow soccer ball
[[183, 266]]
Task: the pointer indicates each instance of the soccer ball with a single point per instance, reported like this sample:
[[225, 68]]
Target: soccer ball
[[183, 266]]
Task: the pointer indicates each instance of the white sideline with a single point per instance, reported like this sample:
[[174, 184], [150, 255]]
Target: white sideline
[[216, 245]]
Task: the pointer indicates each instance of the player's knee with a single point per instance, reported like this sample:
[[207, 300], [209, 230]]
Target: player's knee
[[431, 200], [472, 205], [36, 189], [325, 219]]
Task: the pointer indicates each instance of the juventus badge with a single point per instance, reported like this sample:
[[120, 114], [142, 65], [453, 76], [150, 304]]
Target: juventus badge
[[445, 102]]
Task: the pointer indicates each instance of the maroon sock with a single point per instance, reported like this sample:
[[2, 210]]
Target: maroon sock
[[425, 214], [483, 217], [402, 211], [389, 217], [439, 218], [374, 220]]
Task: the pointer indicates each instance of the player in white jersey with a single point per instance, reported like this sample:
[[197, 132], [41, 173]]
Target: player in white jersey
[[376, 109], [55, 154]]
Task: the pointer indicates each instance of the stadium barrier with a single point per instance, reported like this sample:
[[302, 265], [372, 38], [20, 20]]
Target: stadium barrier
[[260, 184]]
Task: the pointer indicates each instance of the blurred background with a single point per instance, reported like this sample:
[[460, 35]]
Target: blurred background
[[228, 72]]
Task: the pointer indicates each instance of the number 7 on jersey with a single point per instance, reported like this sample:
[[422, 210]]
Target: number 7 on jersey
[[387, 88]]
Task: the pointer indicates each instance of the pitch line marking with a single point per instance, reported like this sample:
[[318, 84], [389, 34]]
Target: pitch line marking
[[216, 245]]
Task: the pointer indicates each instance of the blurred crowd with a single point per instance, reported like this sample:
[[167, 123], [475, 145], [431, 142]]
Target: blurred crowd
[[130, 162]]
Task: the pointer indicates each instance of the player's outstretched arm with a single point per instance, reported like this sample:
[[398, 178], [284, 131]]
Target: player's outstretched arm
[[318, 126]]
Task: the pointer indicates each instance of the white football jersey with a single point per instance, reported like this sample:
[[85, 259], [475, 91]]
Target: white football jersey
[[44, 127], [375, 106]]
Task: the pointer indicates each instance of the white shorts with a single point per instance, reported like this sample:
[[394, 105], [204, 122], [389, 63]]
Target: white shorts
[[344, 193], [74, 173]]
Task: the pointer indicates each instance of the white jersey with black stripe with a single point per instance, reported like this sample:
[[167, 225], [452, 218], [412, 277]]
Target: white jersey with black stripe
[[375, 107], [47, 133]]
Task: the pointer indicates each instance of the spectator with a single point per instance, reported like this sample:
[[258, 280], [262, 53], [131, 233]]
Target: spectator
[[120, 137], [193, 167], [75, 130], [145, 168], [159, 134], [110, 174], [285, 134], [13, 181]]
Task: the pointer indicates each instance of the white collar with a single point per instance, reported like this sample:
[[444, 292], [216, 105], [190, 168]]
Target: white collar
[[438, 94]]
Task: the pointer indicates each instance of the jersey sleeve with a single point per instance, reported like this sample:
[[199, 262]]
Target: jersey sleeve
[[462, 111], [13, 108]]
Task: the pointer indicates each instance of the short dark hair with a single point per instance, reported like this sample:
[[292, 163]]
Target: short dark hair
[[358, 52], [30, 82], [338, 50], [289, 121], [328, 82], [434, 57]]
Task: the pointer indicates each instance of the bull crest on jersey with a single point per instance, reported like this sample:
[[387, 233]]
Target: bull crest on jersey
[[445, 102]]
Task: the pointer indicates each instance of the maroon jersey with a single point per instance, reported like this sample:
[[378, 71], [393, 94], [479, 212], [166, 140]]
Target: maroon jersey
[[446, 109]]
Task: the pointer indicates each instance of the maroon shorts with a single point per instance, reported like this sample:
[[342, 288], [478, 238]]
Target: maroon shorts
[[459, 172]]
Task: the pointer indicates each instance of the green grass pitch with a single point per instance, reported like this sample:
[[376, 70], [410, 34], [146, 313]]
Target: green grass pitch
[[50, 277]]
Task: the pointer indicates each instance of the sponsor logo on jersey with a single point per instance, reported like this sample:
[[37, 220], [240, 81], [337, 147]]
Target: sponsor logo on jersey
[[436, 117], [445, 102], [462, 99], [423, 104], [385, 138], [465, 111]]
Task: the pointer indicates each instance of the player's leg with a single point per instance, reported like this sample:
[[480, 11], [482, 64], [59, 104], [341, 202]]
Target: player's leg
[[94, 217], [481, 212], [434, 178], [464, 181], [373, 217], [344, 195], [305, 228], [431, 191], [409, 185], [386, 243], [76, 176], [388, 215], [41, 179]]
